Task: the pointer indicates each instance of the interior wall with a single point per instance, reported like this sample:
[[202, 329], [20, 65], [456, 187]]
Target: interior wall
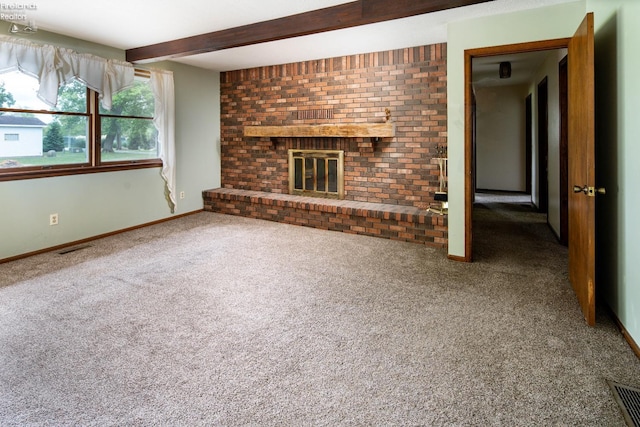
[[544, 23], [549, 69], [617, 157], [93, 204], [500, 143]]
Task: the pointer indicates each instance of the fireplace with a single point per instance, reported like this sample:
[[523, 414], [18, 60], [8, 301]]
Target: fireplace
[[387, 184], [317, 173]]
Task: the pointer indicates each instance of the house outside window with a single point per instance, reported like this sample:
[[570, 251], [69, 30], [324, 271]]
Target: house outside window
[[22, 136]]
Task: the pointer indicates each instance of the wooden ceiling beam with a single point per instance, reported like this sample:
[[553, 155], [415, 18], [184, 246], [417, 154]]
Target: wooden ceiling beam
[[338, 17]]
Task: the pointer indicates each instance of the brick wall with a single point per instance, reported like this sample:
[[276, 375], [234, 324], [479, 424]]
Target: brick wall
[[410, 82]]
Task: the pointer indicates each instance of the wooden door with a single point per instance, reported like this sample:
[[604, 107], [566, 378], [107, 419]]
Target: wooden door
[[582, 167]]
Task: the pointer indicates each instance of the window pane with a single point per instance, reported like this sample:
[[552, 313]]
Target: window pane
[[42, 140], [128, 139], [320, 174], [72, 97], [298, 173], [19, 90], [136, 100], [309, 173], [333, 176]]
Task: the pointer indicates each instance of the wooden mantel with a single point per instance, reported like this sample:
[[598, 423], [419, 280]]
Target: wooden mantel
[[351, 130]]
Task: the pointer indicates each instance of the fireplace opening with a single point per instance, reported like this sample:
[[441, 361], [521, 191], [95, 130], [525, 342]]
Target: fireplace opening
[[317, 173]]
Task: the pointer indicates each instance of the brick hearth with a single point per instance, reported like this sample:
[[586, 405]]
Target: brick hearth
[[394, 222]]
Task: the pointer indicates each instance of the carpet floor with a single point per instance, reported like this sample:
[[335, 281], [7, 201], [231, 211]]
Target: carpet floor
[[220, 320]]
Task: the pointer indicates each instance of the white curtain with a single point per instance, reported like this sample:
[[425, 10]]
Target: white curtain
[[164, 120], [54, 66]]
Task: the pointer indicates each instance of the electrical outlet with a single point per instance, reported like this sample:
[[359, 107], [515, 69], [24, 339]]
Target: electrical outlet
[[182, 194], [53, 219]]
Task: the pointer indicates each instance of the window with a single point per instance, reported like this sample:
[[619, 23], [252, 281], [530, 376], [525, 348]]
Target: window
[[48, 137], [77, 135], [127, 130]]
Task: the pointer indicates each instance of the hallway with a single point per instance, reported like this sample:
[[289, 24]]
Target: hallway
[[508, 229]]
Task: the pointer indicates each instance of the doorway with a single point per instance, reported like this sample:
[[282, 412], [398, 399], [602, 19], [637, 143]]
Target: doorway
[[495, 54], [581, 154], [515, 142]]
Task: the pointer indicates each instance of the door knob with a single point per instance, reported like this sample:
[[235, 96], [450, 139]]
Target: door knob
[[578, 189], [589, 191]]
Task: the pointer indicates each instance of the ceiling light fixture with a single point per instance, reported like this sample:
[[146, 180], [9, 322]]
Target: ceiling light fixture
[[505, 70]]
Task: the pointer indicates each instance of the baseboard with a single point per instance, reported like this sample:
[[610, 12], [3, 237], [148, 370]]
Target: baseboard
[[100, 236], [458, 258], [488, 190], [634, 346]]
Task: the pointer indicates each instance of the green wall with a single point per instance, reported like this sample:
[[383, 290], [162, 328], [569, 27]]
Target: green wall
[[93, 204], [617, 36]]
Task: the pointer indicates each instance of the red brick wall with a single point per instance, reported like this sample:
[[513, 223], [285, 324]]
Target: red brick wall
[[410, 82]]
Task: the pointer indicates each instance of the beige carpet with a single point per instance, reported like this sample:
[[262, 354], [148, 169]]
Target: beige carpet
[[220, 320]]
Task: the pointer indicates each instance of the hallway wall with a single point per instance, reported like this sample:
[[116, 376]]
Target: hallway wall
[[618, 154], [500, 146]]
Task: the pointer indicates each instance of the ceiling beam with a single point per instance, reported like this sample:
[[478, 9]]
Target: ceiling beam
[[352, 14]]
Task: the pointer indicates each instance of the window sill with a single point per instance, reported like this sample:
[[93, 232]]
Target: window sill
[[53, 171]]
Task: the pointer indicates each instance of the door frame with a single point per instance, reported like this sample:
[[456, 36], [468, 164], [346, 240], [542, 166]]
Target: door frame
[[563, 83], [528, 144], [469, 167], [543, 146]]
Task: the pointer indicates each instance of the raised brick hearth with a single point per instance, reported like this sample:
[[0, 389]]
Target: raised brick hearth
[[395, 222]]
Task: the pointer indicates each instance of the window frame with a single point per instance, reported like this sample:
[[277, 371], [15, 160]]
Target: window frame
[[94, 162]]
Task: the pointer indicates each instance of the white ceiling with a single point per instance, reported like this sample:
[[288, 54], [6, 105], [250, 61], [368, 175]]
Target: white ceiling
[[126, 24], [523, 67]]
